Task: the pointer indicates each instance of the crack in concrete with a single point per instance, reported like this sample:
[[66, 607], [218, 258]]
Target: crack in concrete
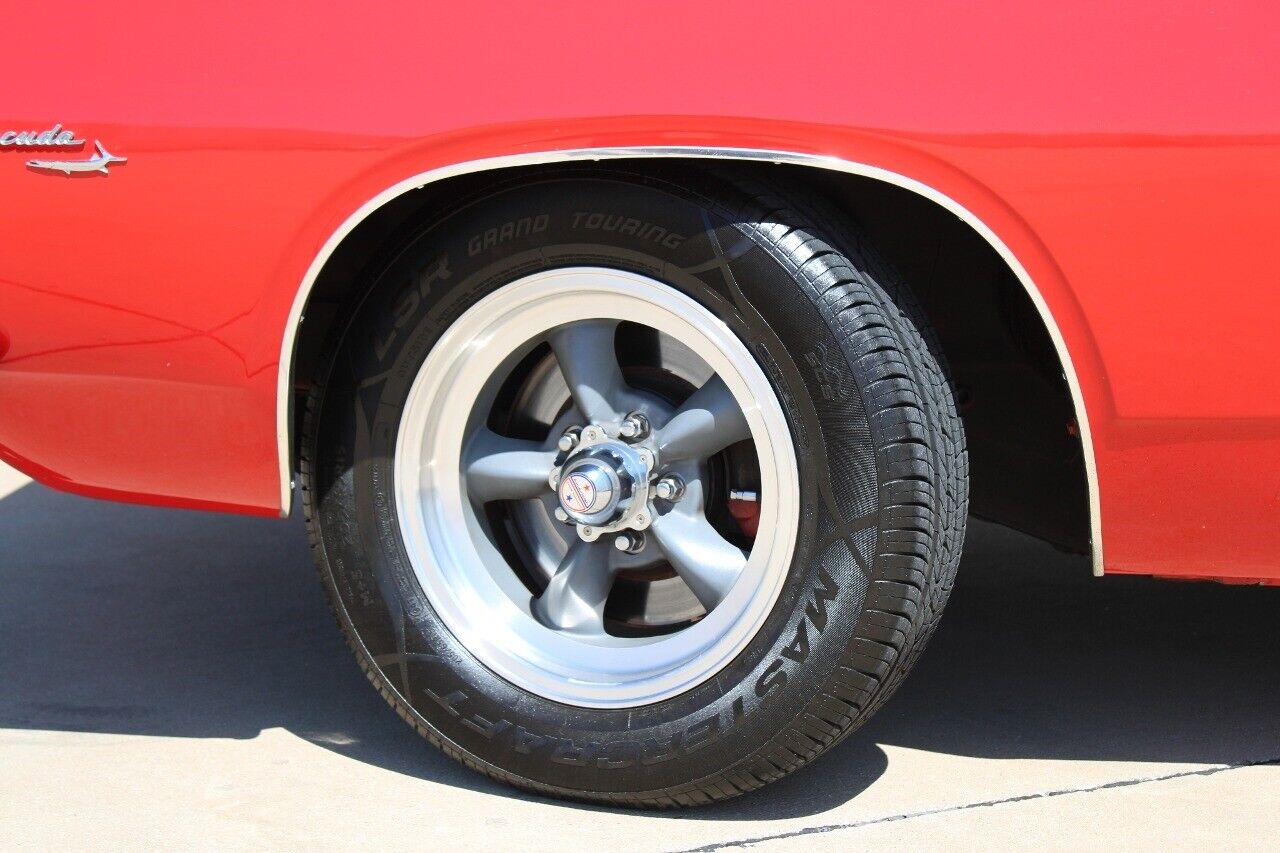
[[1020, 798]]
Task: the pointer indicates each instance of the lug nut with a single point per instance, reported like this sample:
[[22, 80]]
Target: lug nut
[[635, 427], [561, 515], [669, 488], [629, 543], [569, 440]]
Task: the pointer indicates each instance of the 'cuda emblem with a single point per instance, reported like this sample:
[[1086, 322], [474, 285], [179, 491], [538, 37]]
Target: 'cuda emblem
[[57, 137], [54, 137]]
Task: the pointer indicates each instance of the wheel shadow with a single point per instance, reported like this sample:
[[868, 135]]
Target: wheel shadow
[[139, 621]]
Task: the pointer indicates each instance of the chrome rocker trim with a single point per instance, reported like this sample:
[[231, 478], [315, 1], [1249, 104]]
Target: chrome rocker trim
[[283, 386]]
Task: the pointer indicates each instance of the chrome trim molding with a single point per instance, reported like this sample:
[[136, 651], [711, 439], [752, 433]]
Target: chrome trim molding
[[284, 396], [101, 159]]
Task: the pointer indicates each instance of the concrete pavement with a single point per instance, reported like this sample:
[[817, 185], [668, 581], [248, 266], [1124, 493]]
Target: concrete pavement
[[172, 678]]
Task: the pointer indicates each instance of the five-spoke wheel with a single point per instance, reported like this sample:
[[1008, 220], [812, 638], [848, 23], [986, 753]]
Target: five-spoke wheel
[[576, 428]]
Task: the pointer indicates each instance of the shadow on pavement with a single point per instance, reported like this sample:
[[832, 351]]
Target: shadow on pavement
[[140, 621]]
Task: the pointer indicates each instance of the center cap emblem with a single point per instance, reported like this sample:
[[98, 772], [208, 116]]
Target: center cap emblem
[[586, 491], [600, 486]]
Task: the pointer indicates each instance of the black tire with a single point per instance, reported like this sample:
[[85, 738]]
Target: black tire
[[883, 479]]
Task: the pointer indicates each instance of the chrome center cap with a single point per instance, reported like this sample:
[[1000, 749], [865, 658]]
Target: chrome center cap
[[588, 489], [598, 485]]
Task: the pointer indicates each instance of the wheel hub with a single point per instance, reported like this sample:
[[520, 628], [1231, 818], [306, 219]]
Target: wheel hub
[[603, 486]]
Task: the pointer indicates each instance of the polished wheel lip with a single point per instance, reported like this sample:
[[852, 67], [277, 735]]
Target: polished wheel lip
[[478, 605]]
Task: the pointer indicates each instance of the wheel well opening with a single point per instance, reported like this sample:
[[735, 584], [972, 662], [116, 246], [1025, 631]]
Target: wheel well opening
[[1026, 458]]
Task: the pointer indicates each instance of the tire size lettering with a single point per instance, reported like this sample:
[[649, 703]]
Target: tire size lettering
[[700, 733], [608, 756], [407, 306], [797, 651], [628, 225], [506, 232]]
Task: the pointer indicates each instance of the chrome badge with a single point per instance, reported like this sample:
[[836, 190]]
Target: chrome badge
[[57, 137], [96, 163], [54, 137], [581, 494]]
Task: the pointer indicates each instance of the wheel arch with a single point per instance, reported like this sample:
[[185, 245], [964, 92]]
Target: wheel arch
[[295, 331]]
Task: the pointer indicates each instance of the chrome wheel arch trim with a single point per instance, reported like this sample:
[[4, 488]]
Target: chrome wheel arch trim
[[284, 395]]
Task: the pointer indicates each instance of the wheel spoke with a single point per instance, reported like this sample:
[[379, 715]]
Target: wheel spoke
[[589, 363], [500, 468], [708, 422], [574, 599], [704, 559]]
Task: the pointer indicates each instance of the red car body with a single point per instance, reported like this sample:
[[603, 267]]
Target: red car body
[[148, 316]]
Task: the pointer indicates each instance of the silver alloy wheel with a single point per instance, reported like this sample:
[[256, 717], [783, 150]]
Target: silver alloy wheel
[[449, 464]]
